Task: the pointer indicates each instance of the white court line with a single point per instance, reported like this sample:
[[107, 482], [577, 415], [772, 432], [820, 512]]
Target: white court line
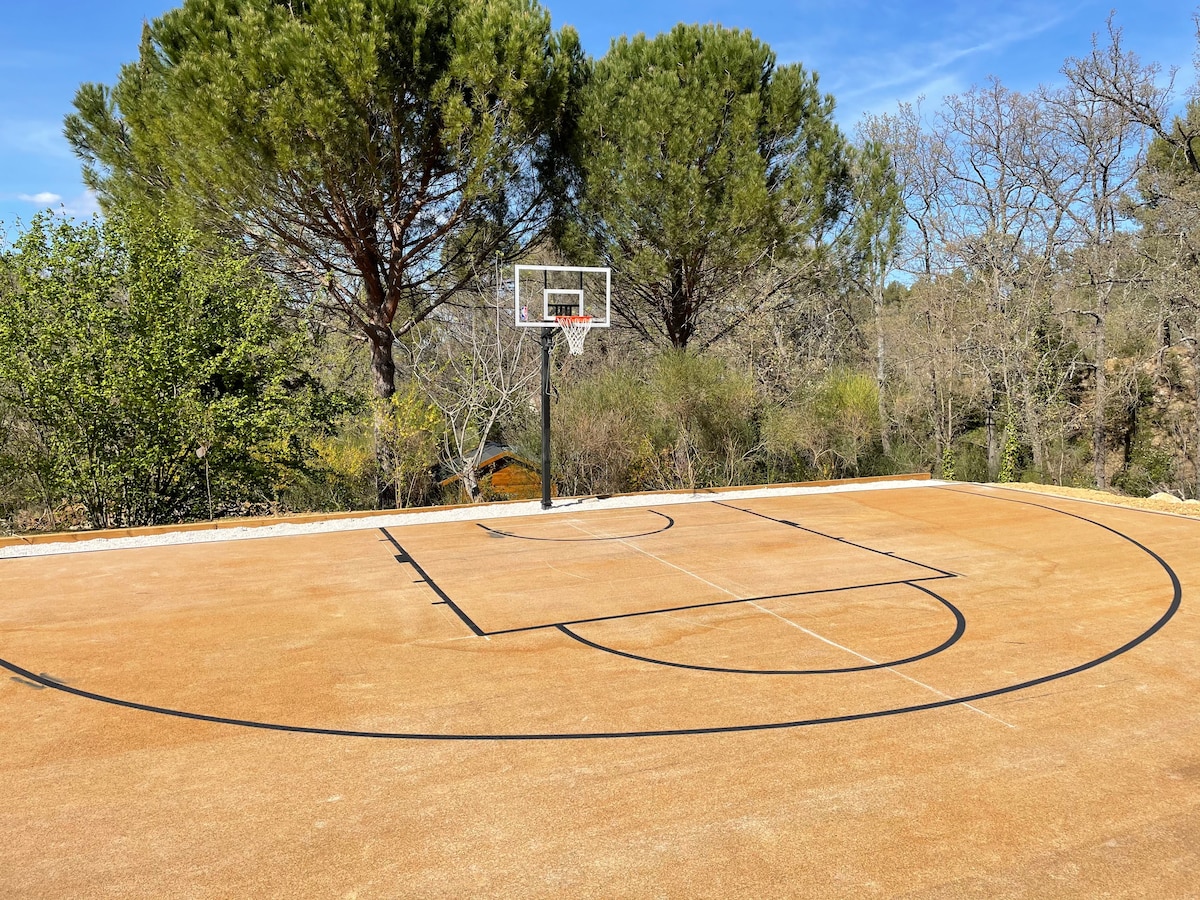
[[663, 561], [873, 662]]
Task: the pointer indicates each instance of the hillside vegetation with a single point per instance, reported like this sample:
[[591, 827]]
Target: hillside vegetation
[[299, 296]]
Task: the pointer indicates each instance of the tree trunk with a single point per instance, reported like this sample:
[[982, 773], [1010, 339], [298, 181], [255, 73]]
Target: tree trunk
[[880, 371], [470, 481], [1099, 436], [1196, 436], [679, 314], [938, 417], [993, 449], [383, 371], [1033, 423], [383, 365]]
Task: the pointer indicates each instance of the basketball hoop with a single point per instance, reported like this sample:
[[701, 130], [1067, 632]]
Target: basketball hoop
[[576, 329], [575, 299]]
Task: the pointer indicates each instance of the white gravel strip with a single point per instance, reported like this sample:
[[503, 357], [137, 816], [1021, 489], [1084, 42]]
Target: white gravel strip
[[428, 516]]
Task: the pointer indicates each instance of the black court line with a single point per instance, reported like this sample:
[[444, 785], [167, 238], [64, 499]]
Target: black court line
[[406, 558], [1141, 638], [960, 626], [840, 540], [1184, 517], [691, 606], [616, 537]]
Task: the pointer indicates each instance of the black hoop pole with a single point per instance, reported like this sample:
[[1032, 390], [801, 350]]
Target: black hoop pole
[[547, 342]]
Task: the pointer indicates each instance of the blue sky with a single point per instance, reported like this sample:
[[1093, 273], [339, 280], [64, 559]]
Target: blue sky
[[869, 53]]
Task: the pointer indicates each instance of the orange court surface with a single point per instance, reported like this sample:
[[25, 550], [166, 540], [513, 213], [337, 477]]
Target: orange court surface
[[913, 689]]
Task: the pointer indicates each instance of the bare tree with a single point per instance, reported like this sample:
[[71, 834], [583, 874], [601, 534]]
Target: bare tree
[[916, 152], [1102, 115], [874, 236], [479, 371]]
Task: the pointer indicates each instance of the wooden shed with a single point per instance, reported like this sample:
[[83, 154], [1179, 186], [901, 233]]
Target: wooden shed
[[503, 475]]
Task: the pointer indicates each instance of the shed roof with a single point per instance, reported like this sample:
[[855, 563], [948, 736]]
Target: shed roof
[[492, 454]]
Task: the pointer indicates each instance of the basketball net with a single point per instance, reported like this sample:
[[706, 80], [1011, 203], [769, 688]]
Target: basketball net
[[576, 329]]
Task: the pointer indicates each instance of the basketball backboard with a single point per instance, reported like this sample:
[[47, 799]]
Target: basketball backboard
[[543, 292]]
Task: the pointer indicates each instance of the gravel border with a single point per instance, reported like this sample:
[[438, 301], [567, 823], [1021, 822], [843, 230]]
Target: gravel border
[[459, 514], [1189, 509]]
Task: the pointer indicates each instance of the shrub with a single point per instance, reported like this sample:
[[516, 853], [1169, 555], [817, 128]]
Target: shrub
[[127, 347]]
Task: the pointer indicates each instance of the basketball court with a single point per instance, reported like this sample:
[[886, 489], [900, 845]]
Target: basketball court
[[902, 689]]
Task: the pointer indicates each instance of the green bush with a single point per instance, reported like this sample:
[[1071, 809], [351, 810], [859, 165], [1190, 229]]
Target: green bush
[[129, 349], [707, 417], [677, 420], [831, 431], [601, 436], [1148, 471]]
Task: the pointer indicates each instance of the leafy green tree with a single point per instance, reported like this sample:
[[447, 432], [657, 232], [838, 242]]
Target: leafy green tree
[[372, 151], [703, 162], [127, 347], [22, 496]]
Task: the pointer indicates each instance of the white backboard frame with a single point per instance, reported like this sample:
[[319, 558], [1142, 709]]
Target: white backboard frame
[[534, 311]]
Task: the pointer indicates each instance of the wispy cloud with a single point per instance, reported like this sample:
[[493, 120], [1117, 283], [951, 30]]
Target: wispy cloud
[[934, 91], [34, 137], [44, 198], [873, 55], [921, 62], [81, 206]]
